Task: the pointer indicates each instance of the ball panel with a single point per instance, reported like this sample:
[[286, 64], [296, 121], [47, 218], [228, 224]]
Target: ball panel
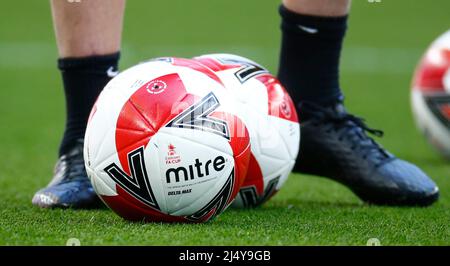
[[447, 81], [271, 118], [435, 132], [289, 134], [190, 170], [101, 186], [253, 187], [197, 66], [147, 110], [432, 69], [105, 114], [215, 65], [280, 103], [127, 143]]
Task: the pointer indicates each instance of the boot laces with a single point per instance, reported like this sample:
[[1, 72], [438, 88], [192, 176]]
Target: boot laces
[[349, 127]]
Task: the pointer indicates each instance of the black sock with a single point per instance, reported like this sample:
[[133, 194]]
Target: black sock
[[309, 58], [83, 80]]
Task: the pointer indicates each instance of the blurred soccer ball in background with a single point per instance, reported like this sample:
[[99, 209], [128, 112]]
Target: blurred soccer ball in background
[[430, 94]]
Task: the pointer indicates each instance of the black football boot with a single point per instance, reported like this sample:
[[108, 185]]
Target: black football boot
[[70, 186], [334, 144]]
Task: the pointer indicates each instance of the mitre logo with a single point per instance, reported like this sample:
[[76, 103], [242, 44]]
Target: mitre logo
[[172, 156], [195, 170]]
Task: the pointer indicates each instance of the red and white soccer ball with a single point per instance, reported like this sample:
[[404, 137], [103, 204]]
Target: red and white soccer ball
[[164, 143], [271, 119], [431, 94]]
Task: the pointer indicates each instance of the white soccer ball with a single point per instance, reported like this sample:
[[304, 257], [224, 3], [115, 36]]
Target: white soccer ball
[[163, 143], [430, 95], [270, 116]]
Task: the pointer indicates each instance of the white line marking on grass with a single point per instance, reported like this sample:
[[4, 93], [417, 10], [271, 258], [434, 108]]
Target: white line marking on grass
[[355, 59]]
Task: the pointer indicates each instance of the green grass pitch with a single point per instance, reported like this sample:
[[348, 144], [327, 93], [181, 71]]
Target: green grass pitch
[[384, 42]]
